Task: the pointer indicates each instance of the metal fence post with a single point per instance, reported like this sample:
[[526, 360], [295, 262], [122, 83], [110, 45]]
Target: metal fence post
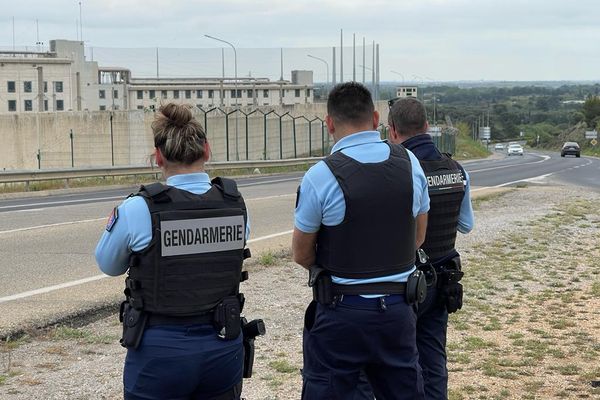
[[294, 136], [112, 142], [72, 155]]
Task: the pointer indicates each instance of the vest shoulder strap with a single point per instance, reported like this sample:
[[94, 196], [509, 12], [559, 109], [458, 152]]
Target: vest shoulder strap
[[228, 187], [155, 191]]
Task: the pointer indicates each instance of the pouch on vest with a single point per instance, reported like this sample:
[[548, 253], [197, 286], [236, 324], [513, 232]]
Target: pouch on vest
[[227, 318], [134, 322]]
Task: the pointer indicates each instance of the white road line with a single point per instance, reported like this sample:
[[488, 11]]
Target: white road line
[[52, 225], [104, 218], [96, 199], [61, 202], [532, 179], [276, 196], [51, 288], [98, 277], [544, 158]]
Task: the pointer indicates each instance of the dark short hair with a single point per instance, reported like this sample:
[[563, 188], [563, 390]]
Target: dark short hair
[[408, 116], [349, 103]]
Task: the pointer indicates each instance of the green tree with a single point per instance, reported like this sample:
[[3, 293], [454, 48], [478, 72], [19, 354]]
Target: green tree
[[591, 110]]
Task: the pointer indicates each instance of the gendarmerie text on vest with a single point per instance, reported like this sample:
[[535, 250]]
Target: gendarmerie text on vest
[[202, 235]]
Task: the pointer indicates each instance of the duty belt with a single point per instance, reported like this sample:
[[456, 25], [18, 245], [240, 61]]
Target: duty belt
[[157, 319]]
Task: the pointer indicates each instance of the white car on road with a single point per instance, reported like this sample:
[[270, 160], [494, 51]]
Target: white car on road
[[515, 150]]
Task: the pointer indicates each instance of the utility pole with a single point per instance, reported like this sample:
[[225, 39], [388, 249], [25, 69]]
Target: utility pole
[[363, 64], [341, 56], [333, 80], [354, 57]]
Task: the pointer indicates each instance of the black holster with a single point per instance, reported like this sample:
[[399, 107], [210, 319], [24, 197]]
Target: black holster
[[450, 288], [320, 282], [250, 330], [134, 322]]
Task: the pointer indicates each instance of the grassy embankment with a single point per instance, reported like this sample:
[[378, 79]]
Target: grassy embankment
[[466, 147]]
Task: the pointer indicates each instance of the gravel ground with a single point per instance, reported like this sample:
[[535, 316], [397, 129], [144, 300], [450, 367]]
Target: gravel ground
[[86, 363]]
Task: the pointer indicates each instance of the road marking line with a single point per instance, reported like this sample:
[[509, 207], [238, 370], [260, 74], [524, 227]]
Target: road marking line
[[544, 158], [62, 202], [532, 179], [103, 218], [96, 199], [277, 196], [51, 288], [65, 285], [53, 225]]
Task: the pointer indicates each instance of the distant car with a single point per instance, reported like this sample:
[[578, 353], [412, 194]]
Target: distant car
[[570, 148], [515, 149], [499, 146]]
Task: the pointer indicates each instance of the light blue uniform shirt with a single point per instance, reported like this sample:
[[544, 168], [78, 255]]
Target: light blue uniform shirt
[[132, 230], [321, 199], [466, 219]]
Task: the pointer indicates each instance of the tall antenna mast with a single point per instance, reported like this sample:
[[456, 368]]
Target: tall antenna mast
[[13, 26], [80, 23]]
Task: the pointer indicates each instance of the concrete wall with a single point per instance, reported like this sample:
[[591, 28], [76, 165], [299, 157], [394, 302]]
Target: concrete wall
[[22, 134]]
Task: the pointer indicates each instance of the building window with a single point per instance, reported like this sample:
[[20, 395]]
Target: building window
[[140, 107], [250, 93], [11, 87], [60, 105], [175, 94], [307, 92], [198, 94], [28, 105], [45, 105], [297, 93], [12, 105], [27, 86], [233, 94], [140, 94], [102, 94], [188, 94], [211, 94], [239, 93], [58, 86], [152, 94], [265, 93], [102, 108], [163, 94], [115, 94], [45, 87]]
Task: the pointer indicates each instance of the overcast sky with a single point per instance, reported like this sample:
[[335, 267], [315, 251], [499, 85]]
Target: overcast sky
[[439, 39]]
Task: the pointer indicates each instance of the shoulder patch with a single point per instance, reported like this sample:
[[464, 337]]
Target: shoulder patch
[[112, 219]]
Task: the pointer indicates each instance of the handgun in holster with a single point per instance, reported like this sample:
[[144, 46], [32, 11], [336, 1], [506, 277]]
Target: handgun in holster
[[320, 282], [250, 331]]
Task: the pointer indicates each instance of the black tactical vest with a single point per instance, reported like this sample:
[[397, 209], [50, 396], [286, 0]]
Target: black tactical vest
[[446, 183], [195, 256], [377, 236]]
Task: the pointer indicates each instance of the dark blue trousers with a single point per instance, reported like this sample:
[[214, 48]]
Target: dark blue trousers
[[342, 341], [432, 324], [183, 363]]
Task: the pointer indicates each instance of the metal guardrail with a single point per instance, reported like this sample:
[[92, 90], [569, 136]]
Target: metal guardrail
[[66, 174]]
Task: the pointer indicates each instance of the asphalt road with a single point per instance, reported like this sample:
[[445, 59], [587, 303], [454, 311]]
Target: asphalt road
[[47, 243]]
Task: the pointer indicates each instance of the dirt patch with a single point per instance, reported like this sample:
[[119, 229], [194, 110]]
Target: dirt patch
[[529, 328]]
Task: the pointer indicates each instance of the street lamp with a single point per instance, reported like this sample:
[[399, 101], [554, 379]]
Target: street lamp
[[237, 154], [326, 65], [434, 101]]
